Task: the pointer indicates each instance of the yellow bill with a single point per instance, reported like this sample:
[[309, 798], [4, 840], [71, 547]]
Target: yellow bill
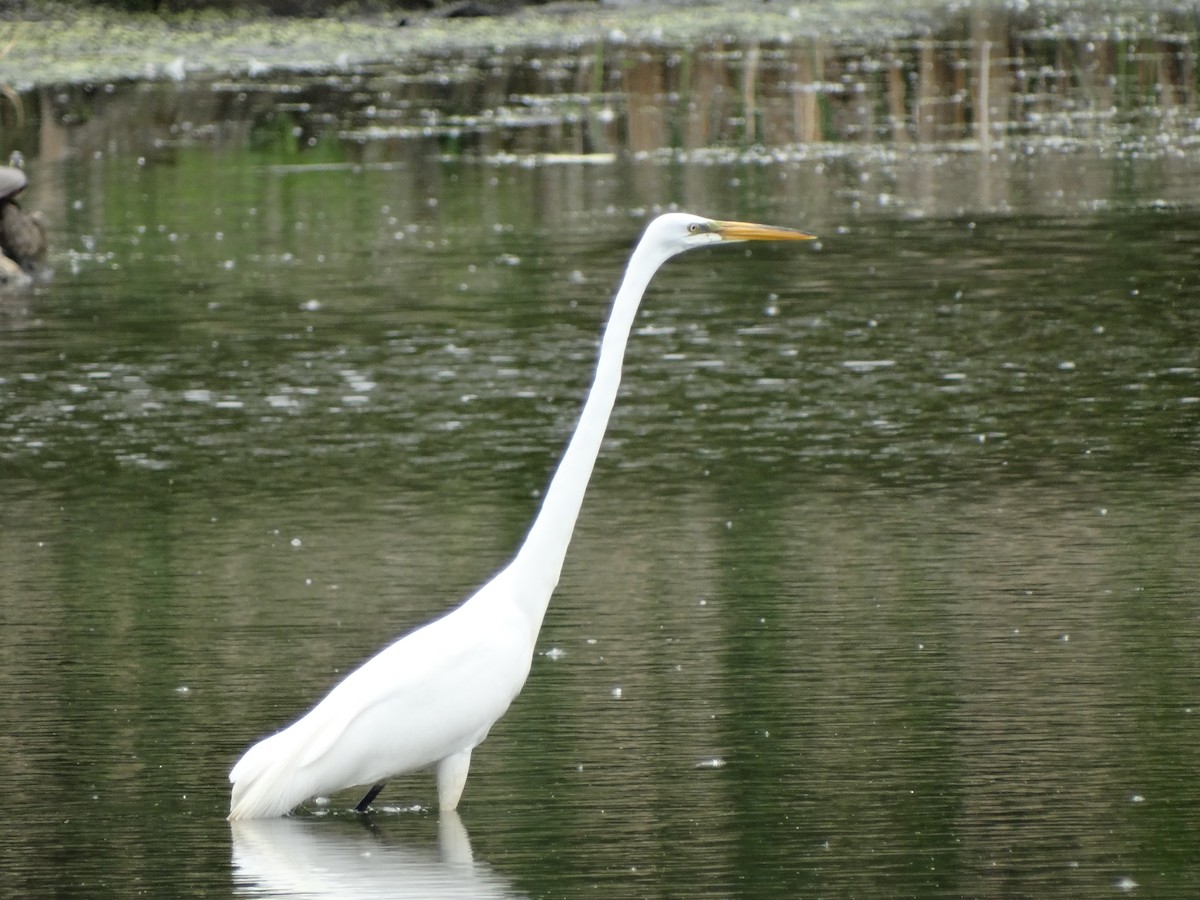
[[748, 231]]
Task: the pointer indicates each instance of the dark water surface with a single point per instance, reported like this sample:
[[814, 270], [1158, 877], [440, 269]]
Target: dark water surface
[[886, 583]]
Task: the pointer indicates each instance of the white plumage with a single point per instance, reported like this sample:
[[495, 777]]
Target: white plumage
[[430, 698]]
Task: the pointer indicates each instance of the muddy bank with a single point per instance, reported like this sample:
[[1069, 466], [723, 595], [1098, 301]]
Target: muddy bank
[[54, 44]]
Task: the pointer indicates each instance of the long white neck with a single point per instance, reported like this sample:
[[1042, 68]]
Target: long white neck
[[538, 563]]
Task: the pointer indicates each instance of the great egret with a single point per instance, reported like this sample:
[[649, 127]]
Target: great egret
[[22, 234], [430, 698]]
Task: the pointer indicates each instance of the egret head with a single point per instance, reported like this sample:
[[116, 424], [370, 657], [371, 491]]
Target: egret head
[[675, 232]]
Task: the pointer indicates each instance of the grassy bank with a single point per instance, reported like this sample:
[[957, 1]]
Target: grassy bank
[[60, 43]]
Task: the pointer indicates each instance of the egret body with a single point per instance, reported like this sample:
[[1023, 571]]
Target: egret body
[[429, 698]]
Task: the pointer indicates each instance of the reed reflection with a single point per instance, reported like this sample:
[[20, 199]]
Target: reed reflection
[[318, 858], [985, 115], [985, 76]]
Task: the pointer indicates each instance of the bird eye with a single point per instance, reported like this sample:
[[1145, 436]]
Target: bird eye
[[695, 228]]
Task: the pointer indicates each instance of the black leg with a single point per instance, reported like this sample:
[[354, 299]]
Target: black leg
[[364, 804]]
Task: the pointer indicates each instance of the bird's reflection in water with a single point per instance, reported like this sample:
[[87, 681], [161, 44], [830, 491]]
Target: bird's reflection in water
[[292, 857]]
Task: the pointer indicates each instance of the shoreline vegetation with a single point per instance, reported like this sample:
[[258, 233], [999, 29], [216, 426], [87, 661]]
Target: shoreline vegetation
[[48, 43]]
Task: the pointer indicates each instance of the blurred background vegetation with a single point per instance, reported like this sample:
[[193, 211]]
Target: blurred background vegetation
[[308, 8]]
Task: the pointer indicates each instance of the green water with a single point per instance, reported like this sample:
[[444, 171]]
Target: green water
[[885, 584]]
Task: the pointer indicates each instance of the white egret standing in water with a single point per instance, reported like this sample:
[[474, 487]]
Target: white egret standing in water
[[430, 698]]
